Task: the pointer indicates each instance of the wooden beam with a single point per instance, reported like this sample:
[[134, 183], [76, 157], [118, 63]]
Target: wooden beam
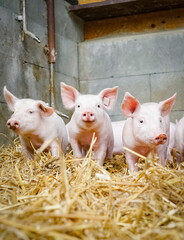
[[135, 24], [118, 8]]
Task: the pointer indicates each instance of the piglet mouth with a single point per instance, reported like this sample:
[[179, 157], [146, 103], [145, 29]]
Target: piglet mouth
[[13, 128], [88, 121]]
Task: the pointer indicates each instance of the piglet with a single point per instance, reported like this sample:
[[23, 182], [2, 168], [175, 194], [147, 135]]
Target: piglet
[[147, 128], [180, 137], [35, 123], [117, 128], [89, 117], [172, 140]]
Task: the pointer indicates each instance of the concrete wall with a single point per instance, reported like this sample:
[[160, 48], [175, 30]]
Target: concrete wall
[[149, 66], [24, 67]]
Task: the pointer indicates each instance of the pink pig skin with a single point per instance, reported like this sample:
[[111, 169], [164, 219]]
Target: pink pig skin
[[34, 121], [117, 128], [147, 128], [89, 117], [172, 140], [180, 137]]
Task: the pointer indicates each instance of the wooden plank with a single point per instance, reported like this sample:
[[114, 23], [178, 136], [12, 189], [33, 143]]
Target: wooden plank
[[117, 8], [135, 24], [88, 1]]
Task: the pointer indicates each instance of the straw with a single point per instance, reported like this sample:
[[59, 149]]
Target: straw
[[69, 198]]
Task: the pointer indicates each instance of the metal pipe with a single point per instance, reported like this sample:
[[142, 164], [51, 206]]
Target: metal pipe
[[51, 30], [51, 45], [32, 35], [62, 114], [52, 51], [52, 95]]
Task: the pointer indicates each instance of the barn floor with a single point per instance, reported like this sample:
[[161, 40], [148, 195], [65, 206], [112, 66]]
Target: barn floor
[[68, 199]]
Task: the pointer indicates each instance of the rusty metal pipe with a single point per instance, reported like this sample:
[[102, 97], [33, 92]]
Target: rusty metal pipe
[[51, 46], [52, 51], [51, 30]]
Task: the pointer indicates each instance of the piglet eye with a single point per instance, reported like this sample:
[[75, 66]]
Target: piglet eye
[[30, 112], [141, 121], [160, 120], [78, 106], [98, 106]]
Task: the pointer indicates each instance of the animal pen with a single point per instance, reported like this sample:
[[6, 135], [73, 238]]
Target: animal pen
[[137, 45]]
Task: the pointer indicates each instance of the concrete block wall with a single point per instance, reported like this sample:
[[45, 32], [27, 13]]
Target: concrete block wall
[[149, 66], [24, 67]]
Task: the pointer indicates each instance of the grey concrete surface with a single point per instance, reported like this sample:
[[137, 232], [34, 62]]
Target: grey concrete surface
[[67, 24], [132, 55], [67, 56]]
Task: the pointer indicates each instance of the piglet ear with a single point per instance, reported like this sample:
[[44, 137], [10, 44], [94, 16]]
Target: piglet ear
[[45, 109], [109, 96], [10, 98], [166, 106], [69, 95], [129, 105]]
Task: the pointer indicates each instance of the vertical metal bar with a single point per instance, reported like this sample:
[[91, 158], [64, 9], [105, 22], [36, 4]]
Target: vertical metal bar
[[51, 30], [52, 89], [51, 43]]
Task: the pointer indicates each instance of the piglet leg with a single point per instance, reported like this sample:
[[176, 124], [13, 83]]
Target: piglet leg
[[77, 150], [100, 155], [131, 160]]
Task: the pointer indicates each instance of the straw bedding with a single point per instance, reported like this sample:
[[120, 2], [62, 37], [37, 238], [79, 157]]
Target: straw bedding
[[48, 198]]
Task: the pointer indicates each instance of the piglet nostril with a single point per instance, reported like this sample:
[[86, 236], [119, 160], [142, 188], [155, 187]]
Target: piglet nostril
[[16, 124]]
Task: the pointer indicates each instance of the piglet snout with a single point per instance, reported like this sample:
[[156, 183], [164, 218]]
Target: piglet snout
[[88, 116], [160, 139], [13, 124]]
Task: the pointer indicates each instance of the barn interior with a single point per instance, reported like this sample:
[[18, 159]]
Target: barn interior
[[137, 45]]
